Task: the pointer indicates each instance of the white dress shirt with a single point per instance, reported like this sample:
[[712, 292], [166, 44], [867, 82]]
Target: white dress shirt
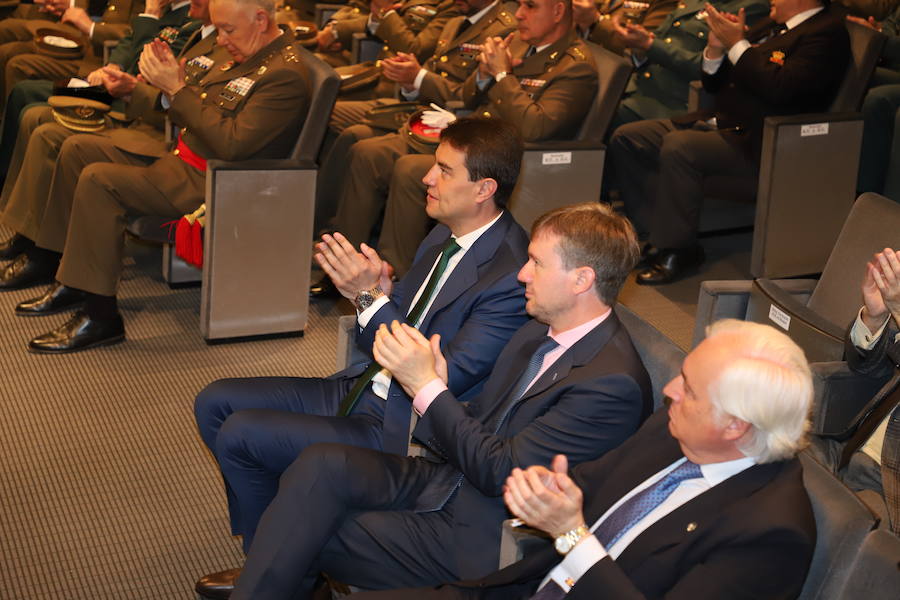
[[589, 551], [382, 381]]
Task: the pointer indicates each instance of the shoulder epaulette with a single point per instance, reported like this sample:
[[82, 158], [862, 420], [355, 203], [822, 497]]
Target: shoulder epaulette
[[577, 53], [506, 17]]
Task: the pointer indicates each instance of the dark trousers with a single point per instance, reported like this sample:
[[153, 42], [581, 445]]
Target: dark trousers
[[879, 113], [660, 169], [346, 511], [257, 427], [22, 96]]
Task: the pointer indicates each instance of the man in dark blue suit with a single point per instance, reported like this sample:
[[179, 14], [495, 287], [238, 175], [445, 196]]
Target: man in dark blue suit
[[569, 381], [463, 286]]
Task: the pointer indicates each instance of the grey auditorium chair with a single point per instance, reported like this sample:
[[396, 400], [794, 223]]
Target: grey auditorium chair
[[555, 174], [816, 313], [258, 233], [875, 571], [807, 177]]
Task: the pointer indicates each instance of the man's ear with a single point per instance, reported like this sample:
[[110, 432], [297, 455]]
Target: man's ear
[[584, 279], [487, 187], [736, 429]]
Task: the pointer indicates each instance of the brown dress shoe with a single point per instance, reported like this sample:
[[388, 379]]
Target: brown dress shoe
[[217, 586]]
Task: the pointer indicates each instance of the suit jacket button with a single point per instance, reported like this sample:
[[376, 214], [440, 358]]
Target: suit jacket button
[[676, 24], [646, 74], [203, 95]]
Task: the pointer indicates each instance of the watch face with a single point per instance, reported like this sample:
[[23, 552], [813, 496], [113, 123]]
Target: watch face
[[563, 544]]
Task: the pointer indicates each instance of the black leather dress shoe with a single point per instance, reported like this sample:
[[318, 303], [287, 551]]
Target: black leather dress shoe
[[58, 298], [648, 255], [14, 246], [324, 289], [671, 264], [24, 272], [79, 333], [217, 586]]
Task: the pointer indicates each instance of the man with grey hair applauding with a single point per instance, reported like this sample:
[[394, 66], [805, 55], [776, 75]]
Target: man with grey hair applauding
[[706, 500]]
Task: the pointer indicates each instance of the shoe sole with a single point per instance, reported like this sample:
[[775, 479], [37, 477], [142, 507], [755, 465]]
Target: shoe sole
[[47, 313], [107, 342]]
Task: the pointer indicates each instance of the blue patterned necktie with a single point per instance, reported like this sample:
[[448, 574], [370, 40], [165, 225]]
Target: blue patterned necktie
[[534, 365], [639, 506], [628, 514]]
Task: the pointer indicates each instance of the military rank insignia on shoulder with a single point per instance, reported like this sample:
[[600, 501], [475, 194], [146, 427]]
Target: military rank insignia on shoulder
[[506, 17], [289, 54], [168, 34], [576, 53]]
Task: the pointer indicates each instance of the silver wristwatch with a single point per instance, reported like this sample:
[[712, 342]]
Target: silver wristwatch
[[566, 541], [365, 298]]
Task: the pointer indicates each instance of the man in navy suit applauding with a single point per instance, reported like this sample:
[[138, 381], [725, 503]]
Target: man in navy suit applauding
[[569, 381], [462, 286]]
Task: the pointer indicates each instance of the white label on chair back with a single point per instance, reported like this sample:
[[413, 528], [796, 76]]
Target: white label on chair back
[[779, 317], [556, 158], [814, 129]]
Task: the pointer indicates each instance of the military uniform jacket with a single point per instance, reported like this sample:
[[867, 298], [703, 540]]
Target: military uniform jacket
[[456, 56], [115, 21], [602, 31], [415, 27], [145, 136], [546, 97], [175, 27], [658, 89], [252, 109]]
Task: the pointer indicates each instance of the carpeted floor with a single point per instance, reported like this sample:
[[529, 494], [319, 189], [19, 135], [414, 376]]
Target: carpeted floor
[[105, 488]]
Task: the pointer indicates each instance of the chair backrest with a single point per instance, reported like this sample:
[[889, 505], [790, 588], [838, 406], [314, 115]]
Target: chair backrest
[[842, 521], [661, 356], [872, 225], [865, 46], [324, 83], [612, 77], [876, 570]]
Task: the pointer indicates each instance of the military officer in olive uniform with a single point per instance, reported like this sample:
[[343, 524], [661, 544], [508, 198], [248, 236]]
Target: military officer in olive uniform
[[412, 27], [596, 20], [250, 106], [39, 138], [172, 22], [454, 59], [21, 59], [543, 81], [670, 57]]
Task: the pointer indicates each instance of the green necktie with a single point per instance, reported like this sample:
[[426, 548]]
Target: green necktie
[[450, 248]]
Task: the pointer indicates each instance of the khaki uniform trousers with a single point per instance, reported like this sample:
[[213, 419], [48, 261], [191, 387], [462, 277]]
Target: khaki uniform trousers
[[109, 186], [405, 222]]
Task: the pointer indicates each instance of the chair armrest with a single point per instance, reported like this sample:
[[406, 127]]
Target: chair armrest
[[562, 145], [517, 542], [347, 352], [811, 118], [720, 300], [272, 164], [785, 294]]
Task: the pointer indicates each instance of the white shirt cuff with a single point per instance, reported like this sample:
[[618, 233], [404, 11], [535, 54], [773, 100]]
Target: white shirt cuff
[[860, 335], [149, 16], [737, 51], [91, 32], [417, 85], [711, 65], [365, 316], [578, 561]]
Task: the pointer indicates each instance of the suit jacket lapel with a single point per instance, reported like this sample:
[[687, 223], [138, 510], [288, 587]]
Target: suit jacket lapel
[[693, 517], [465, 274]]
